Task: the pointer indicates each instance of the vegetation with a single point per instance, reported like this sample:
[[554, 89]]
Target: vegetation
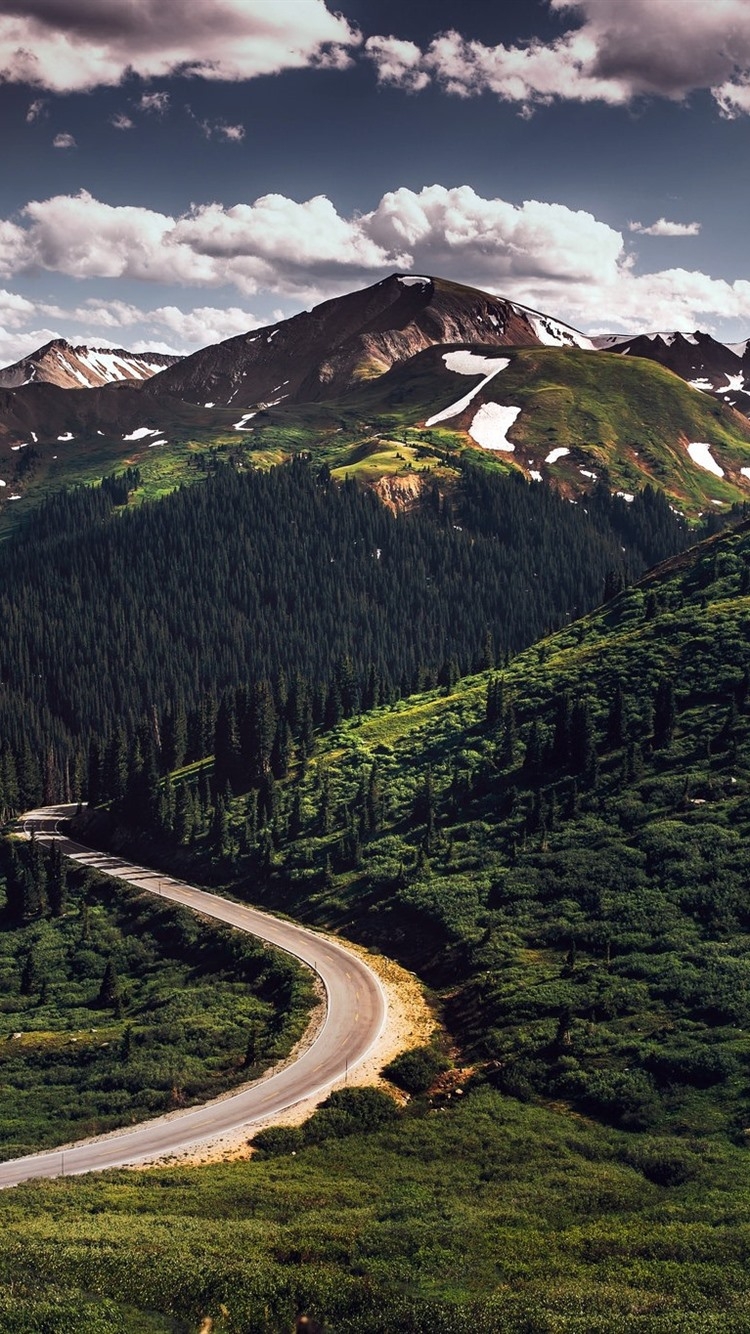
[[116, 1006], [360, 603], [556, 843]]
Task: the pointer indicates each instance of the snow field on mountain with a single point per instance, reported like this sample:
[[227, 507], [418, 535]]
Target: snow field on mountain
[[468, 363], [558, 453], [140, 432], [491, 424], [701, 454]]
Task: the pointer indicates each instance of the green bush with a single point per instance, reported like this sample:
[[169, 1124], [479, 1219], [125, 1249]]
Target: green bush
[[415, 1071]]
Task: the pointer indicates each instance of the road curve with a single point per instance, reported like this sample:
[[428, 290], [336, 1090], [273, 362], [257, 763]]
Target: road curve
[[355, 1018]]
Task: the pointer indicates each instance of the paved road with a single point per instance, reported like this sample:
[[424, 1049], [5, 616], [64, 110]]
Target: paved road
[[355, 1017]]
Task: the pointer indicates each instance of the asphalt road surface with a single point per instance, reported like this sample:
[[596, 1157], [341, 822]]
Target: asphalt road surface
[[355, 1018]]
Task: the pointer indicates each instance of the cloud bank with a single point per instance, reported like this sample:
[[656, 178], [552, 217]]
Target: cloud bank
[[620, 50], [77, 45], [560, 260]]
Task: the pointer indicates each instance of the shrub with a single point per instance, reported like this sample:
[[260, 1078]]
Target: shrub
[[278, 1140], [415, 1071]]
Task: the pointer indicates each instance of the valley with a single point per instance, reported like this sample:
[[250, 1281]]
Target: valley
[[436, 623]]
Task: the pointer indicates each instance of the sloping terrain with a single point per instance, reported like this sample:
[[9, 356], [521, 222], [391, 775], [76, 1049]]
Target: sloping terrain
[[571, 417], [720, 369], [320, 353], [82, 367], [560, 847]]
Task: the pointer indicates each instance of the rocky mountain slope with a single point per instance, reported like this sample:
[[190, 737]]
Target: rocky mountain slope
[[82, 367], [721, 369], [320, 353]]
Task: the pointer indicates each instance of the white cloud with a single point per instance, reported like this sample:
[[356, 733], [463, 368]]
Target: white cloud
[[75, 45], [156, 102], [35, 110], [234, 134], [617, 52], [398, 62], [122, 122], [563, 261], [664, 228], [64, 140]]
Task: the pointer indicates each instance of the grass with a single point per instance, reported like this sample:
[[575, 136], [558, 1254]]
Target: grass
[[192, 1000]]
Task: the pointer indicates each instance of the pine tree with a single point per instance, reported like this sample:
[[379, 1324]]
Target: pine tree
[[665, 714], [57, 885], [110, 997], [617, 720]]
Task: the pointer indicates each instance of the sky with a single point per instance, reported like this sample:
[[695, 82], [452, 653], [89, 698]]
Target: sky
[[178, 171]]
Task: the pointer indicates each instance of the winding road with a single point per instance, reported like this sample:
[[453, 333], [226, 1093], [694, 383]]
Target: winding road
[[355, 1018]]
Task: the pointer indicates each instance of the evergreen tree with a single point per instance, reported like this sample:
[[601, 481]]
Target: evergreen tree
[[665, 714]]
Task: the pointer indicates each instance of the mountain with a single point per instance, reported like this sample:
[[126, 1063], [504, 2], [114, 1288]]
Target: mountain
[[82, 367], [721, 369], [399, 379], [323, 352], [570, 417]]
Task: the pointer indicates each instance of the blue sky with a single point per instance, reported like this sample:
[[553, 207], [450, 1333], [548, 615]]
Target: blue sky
[[176, 173]]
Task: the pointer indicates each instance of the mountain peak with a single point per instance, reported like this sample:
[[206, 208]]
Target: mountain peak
[[82, 367]]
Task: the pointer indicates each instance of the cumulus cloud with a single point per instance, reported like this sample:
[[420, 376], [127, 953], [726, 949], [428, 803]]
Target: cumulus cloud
[[64, 140], [664, 228], [398, 62], [560, 260], [122, 122], [35, 110], [617, 52], [76, 45]]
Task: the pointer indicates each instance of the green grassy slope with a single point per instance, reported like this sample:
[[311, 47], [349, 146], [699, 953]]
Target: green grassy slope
[[624, 419], [569, 874]]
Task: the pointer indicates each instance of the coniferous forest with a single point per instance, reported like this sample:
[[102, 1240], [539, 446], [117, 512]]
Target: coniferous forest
[[401, 728], [120, 622]]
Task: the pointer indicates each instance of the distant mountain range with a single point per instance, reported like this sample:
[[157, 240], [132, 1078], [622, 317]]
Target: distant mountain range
[[721, 369], [82, 367], [389, 381]]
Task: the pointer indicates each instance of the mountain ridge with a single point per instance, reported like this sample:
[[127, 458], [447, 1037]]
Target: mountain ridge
[[82, 366]]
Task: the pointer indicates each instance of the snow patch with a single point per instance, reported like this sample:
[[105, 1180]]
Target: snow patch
[[534, 475], [703, 385], [140, 432], [468, 363], [209, 405], [240, 425], [33, 436], [68, 436], [734, 383], [745, 472], [701, 454], [584, 473], [491, 424], [552, 333], [153, 443], [3, 483], [626, 495], [412, 281], [558, 453]]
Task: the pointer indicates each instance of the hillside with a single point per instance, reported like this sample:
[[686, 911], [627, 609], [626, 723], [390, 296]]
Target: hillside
[[568, 417], [321, 353], [559, 848], [386, 384], [517, 838], [719, 369]]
